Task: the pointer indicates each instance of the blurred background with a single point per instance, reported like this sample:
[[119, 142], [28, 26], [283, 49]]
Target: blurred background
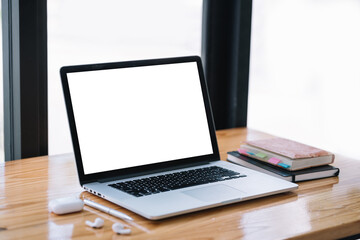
[[304, 79]]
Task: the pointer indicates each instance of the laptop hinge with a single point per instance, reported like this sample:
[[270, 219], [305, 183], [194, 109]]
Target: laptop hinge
[[152, 172]]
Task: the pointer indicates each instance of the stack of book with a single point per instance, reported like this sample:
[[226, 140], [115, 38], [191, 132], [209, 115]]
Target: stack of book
[[286, 159]]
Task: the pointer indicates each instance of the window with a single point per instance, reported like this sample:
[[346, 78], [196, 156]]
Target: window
[[304, 72], [91, 31]]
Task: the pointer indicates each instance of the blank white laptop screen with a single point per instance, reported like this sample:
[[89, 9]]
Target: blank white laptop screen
[[135, 116]]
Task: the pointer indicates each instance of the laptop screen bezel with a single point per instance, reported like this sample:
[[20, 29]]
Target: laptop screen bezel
[[138, 170]]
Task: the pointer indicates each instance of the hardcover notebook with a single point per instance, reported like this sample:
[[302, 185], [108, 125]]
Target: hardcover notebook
[[144, 138], [285, 153], [293, 176]]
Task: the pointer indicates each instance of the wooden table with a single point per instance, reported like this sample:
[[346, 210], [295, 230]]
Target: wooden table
[[319, 209]]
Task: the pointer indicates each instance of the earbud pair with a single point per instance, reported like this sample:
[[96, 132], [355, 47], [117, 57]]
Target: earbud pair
[[116, 227]]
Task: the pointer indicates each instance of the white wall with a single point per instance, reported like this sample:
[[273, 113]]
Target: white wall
[[305, 72]]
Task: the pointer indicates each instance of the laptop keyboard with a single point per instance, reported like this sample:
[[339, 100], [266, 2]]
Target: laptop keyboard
[[173, 181]]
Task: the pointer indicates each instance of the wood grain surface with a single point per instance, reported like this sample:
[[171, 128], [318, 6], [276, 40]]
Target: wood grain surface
[[320, 209]]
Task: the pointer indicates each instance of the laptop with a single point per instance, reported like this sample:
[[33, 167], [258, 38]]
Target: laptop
[[144, 138]]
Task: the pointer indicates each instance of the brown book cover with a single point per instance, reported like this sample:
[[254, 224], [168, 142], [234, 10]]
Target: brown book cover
[[288, 148]]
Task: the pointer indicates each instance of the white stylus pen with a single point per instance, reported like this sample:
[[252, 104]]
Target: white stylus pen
[[108, 210]]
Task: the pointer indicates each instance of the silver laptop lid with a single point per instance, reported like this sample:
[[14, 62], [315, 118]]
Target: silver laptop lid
[[133, 117]]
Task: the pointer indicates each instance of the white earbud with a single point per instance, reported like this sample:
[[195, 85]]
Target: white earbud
[[97, 224], [120, 229]]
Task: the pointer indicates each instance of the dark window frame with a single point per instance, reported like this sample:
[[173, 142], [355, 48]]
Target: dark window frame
[[25, 78], [226, 55]]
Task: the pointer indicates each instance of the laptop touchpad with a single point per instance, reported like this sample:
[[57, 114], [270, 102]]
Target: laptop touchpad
[[215, 193]]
